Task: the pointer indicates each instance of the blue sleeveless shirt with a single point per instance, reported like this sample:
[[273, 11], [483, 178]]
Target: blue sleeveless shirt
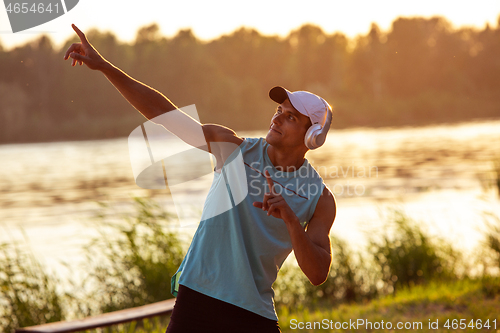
[[237, 249]]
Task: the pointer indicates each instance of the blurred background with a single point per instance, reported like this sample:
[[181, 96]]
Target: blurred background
[[416, 126]]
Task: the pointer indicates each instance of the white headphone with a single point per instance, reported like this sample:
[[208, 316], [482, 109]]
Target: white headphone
[[316, 134]]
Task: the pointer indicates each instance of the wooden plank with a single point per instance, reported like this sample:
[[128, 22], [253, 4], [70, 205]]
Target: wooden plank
[[103, 320]]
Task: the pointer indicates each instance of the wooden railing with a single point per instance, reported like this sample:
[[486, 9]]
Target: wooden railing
[[107, 319]]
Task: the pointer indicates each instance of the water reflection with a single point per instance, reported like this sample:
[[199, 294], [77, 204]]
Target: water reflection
[[438, 174]]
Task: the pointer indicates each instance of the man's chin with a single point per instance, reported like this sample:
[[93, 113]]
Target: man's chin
[[269, 138]]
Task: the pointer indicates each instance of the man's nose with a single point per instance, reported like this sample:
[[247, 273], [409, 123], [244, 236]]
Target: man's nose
[[277, 119]]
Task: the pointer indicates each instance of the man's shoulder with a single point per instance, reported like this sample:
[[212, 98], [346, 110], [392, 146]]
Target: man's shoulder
[[253, 143], [327, 204], [219, 133], [312, 173], [328, 196]]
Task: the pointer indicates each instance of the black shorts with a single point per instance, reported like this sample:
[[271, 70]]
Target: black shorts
[[195, 312]]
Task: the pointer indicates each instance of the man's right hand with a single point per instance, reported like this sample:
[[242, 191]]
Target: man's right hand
[[84, 52]]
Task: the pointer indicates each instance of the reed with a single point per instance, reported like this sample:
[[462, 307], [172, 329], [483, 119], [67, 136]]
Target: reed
[[409, 256], [496, 173], [133, 260], [28, 294]]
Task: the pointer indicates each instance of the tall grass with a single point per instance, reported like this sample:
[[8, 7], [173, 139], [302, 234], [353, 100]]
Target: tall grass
[[496, 172], [133, 260], [492, 241], [131, 264], [349, 279], [491, 179], [465, 298], [403, 256], [409, 257], [28, 294]]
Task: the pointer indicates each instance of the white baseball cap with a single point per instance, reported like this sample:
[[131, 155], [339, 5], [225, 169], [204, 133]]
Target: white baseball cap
[[307, 103]]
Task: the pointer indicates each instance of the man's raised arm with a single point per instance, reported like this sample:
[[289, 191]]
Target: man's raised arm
[[150, 102], [145, 99]]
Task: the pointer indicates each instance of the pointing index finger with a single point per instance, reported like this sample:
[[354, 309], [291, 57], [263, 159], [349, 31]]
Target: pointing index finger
[[270, 182], [80, 34]]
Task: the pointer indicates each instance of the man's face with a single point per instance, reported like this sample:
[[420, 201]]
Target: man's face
[[288, 127]]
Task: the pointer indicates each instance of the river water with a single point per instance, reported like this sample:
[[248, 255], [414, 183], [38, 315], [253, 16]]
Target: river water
[[439, 175]]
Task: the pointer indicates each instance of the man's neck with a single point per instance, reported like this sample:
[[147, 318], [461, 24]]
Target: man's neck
[[284, 160]]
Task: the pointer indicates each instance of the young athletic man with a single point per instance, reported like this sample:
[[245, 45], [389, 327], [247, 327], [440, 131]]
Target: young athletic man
[[224, 283]]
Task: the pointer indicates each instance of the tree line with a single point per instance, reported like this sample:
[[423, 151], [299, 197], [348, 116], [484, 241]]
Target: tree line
[[421, 71]]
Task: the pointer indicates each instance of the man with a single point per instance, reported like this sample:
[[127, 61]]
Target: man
[[224, 283]]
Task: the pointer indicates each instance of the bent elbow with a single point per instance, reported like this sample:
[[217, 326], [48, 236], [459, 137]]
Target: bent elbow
[[318, 279]]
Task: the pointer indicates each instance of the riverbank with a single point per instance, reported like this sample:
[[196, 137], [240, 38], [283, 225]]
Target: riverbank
[[463, 305]]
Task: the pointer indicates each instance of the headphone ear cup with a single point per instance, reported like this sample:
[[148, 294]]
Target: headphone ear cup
[[310, 137]]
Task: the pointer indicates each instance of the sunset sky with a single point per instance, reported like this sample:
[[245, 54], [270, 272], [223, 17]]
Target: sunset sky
[[210, 19]]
